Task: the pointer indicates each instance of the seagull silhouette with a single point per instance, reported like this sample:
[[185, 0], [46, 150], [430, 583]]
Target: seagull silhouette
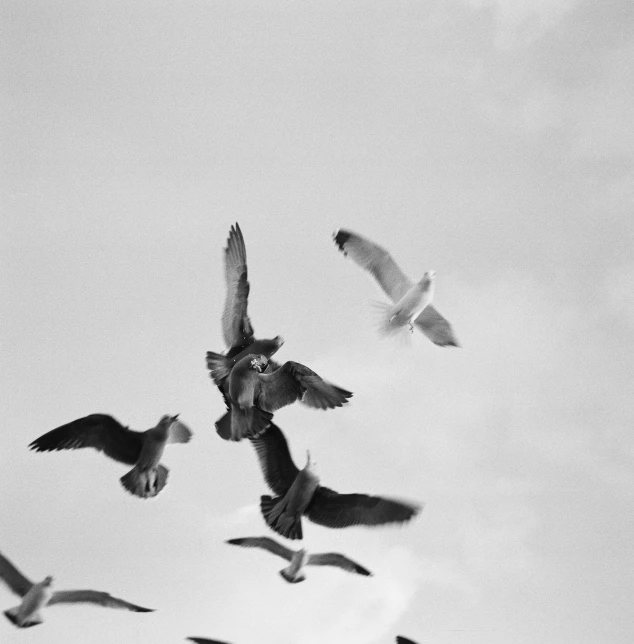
[[299, 558], [254, 395], [37, 596], [141, 449], [410, 302], [299, 493]]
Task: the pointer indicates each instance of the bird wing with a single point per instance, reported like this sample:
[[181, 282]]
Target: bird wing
[[94, 597], [266, 544], [339, 560], [436, 328], [13, 578], [403, 640], [219, 367], [376, 260], [100, 431], [204, 640], [179, 433], [236, 326], [333, 510], [275, 459], [292, 381]]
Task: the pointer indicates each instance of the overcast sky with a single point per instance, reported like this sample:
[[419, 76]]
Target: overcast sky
[[489, 140]]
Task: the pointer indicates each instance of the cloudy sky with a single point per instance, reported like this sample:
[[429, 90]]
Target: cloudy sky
[[490, 140]]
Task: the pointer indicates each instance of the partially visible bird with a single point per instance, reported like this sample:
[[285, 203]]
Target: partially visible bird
[[410, 302], [300, 558], [299, 493], [141, 449], [237, 330], [254, 395], [204, 640], [403, 640], [37, 596]]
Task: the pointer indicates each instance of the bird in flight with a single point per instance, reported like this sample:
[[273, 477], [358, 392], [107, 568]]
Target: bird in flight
[[403, 640], [255, 394], [37, 596], [204, 640], [300, 493], [300, 558], [141, 449], [410, 302]]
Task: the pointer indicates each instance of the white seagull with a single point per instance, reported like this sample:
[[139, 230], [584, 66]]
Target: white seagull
[[299, 558], [37, 596], [410, 302], [141, 449]]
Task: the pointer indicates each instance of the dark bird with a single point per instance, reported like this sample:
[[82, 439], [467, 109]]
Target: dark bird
[[299, 558], [299, 493], [204, 640], [254, 395], [141, 449], [37, 596], [403, 640], [410, 302]]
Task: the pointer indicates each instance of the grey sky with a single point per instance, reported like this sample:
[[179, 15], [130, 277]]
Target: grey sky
[[491, 141]]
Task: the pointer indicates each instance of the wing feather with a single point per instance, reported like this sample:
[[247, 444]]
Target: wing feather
[[338, 560], [236, 325], [13, 578], [333, 510], [376, 260], [275, 459], [94, 597], [265, 543], [100, 431], [204, 640], [436, 328]]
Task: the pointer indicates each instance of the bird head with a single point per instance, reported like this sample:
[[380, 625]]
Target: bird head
[[310, 465], [168, 420], [259, 363], [48, 580]]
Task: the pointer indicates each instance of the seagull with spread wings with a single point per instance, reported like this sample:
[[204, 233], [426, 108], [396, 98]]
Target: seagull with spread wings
[[37, 596], [300, 558], [141, 449], [255, 394], [410, 302], [299, 493]]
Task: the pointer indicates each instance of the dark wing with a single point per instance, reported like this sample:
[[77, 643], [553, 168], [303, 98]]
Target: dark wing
[[436, 328], [266, 544], [94, 597], [333, 510], [338, 560], [293, 381], [219, 367], [275, 459], [100, 431], [403, 640], [204, 640], [236, 326], [13, 578], [376, 260]]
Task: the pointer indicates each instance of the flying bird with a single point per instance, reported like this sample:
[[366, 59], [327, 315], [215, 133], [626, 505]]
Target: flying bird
[[254, 395], [37, 596], [299, 558], [299, 493], [204, 640], [141, 449], [403, 640], [410, 302]]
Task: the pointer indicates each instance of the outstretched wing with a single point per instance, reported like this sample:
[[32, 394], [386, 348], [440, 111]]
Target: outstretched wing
[[338, 560], [204, 640], [100, 431], [236, 326], [94, 597], [275, 459], [266, 544], [333, 510], [376, 260], [436, 328], [403, 640], [13, 578], [293, 381]]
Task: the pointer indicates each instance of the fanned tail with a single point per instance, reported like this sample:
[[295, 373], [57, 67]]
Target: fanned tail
[[384, 313], [219, 367], [272, 511], [289, 578], [12, 616], [145, 483], [241, 423]]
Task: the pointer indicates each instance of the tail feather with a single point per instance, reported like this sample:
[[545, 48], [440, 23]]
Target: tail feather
[[223, 426], [290, 579], [145, 483], [272, 511], [219, 367], [384, 314], [12, 615], [248, 422]]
